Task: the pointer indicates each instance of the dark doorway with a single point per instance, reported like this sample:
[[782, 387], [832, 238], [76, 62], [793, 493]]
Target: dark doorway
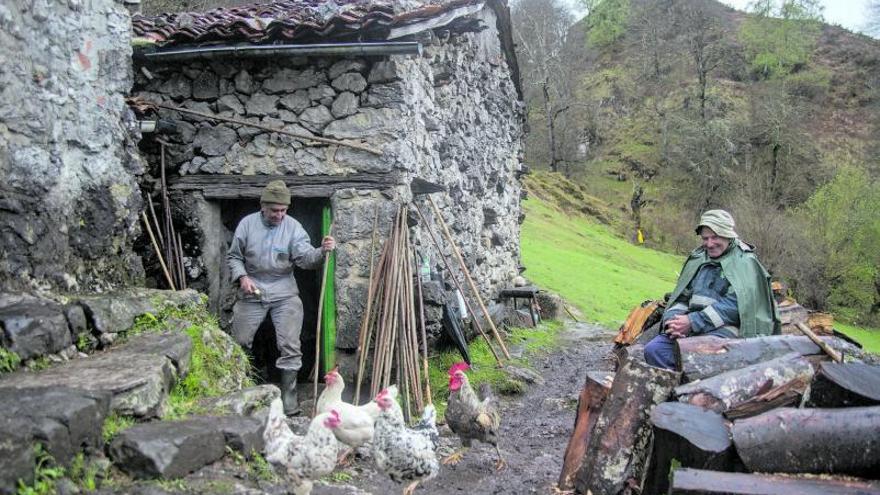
[[307, 211]]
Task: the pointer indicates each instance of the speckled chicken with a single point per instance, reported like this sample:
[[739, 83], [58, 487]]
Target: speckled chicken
[[304, 458], [356, 428], [404, 454], [471, 417]]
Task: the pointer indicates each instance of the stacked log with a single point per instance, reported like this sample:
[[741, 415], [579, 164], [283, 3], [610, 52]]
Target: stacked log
[[739, 407]]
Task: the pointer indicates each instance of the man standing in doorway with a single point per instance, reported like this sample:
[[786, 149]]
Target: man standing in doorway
[[264, 250]]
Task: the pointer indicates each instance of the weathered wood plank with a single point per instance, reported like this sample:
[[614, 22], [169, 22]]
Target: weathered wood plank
[[251, 186], [592, 397], [788, 440], [620, 443], [845, 385], [785, 377], [696, 481], [693, 436], [702, 357]]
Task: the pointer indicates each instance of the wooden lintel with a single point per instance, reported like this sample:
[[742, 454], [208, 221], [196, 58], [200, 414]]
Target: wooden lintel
[[304, 186]]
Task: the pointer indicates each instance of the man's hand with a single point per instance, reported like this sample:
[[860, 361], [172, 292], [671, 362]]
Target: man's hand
[[328, 244], [678, 326], [247, 285]]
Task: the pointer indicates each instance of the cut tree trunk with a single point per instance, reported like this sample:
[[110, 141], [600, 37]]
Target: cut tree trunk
[[589, 404], [696, 481], [702, 357], [753, 389], [693, 436], [835, 441], [620, 443], [845, 385]]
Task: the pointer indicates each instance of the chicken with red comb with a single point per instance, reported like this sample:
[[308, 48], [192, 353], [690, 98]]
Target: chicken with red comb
[[472, 417]]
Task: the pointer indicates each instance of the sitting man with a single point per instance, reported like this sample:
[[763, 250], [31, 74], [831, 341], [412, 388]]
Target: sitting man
[[266, 246], [723, 290]]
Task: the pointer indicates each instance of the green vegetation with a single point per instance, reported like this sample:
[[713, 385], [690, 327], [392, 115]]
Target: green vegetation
[[84, 473], [113, 424], [9, 361], [780, 39], [590, 266], [868, 337], [607, 20], [46, 474], [483, 366], [38, 363], [260, 468], [217, 365]]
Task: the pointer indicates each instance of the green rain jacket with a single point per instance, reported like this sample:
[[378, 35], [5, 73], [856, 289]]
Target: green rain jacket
[[758, 314]]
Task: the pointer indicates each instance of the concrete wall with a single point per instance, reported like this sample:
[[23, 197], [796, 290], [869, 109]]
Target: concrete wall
[[68, 196]]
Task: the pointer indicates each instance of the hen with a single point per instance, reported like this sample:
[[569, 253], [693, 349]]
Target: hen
[[471, 417], [356, 427], [304, 458], [405, 454]]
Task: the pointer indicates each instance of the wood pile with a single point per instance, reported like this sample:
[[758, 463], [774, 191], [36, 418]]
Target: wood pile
[[767, 415]]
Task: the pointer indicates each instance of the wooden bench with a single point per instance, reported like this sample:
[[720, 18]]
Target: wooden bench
[[528, 292]]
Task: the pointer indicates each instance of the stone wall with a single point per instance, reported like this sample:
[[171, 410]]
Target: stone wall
[[451, 116], [68, 199]]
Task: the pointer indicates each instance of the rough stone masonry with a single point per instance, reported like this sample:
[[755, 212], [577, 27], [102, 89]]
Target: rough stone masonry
[[451, 116]]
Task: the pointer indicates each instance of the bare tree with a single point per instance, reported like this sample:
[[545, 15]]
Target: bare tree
[[541, 28]]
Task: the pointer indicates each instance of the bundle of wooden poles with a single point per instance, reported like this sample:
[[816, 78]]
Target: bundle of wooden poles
[[166, 242], [399, 349]]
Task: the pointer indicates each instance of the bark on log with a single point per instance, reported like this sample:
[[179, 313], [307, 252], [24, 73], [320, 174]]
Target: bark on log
[[693, 436], [845, 385], [590, 402], [696, 481], [787, 440], [759, 387], [621, 439], [702, 357]]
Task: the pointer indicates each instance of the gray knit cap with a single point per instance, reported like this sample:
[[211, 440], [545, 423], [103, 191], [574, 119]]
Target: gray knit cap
[[720, 222], [276, 192]]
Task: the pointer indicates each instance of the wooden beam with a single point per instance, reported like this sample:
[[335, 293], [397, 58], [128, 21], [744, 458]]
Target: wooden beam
[[693, 481], [216, 186]]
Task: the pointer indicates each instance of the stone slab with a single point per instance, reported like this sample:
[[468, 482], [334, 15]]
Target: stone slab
[[31, 326], [167, 449], [138, 374], [116, 312]]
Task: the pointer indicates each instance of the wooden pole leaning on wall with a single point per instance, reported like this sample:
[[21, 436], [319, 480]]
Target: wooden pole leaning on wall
[[457, 284], [467, 275], [158, 252], [318, 330], [424, 336]]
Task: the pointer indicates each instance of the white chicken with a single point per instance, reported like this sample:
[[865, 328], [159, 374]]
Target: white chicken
[[405, 454], [304, 458], [357, 424]]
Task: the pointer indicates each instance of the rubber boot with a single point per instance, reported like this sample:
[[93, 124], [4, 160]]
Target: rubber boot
[[288, 393]]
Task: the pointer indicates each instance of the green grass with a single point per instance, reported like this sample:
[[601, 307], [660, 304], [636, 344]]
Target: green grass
[[587, 264], [868, 337]]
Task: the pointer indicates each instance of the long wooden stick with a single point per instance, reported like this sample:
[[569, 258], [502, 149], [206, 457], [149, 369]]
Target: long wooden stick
[[316, 139], [457, 284], [318, 330], [180, 261], [158, 253], [155, 221], [362, 336], [424, 341], [467, 276], [835, 356]]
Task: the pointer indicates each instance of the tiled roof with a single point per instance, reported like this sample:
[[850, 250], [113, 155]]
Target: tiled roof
[[295, 21]]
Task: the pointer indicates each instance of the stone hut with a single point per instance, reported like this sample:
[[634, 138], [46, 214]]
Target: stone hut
[[432, 89]]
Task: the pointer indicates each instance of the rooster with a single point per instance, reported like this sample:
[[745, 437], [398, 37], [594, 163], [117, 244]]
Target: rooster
[[304, 458], [471, 417], [357, 424], [402, 453]]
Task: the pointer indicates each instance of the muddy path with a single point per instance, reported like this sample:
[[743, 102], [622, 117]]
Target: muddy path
[[534, 433]]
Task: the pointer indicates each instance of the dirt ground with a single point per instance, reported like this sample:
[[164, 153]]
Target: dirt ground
[[534, 433]]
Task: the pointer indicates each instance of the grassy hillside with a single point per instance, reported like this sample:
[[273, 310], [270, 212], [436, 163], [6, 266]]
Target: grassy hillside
[[603, 275]]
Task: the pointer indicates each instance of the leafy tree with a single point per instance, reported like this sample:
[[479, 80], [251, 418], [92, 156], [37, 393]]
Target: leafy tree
[[606, 20], [779, 38]]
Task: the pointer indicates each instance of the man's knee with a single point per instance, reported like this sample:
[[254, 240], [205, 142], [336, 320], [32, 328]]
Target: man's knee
[[659, 353]]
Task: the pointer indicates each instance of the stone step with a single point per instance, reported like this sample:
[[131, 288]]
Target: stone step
[[33, 327], [65, 420], [171, 449], [137, 375]]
